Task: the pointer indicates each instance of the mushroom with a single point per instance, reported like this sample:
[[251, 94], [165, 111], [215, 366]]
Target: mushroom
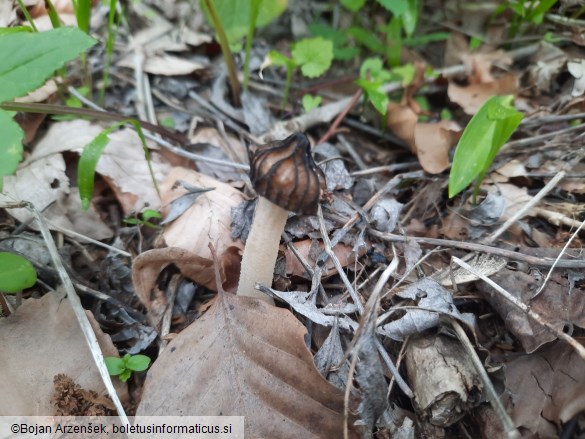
[[286, 179]]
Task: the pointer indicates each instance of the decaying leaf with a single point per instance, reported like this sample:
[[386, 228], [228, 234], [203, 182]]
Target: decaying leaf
[[546, 389], [553, 303], [40, 340], [246, 358]]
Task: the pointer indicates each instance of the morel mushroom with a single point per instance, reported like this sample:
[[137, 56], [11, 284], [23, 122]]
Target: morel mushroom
[[286, 178]]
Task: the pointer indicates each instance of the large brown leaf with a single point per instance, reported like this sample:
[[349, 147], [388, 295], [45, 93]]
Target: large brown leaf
[[246, 358]]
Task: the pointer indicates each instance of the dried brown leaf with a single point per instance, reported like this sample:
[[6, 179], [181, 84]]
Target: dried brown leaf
[[546, 389], [40, 340], [246, 358]]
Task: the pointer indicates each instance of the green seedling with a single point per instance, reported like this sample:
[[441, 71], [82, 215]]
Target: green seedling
[[123, 367], [145, 219], [28, 59], [92, 153], [310, 102], [235, 19], [342, 48], [312, 55], [529, 12], [481, 140]]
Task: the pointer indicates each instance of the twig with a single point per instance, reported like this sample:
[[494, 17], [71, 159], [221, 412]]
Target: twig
[[532, 260], [539, 196], [78, 310], [352, 152], [536, 139], [331, 131], [338, 266], [507, 424], [555, 263], [524, 308]]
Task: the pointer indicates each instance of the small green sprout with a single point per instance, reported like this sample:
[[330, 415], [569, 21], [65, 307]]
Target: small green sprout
[[312, 55], [123, 367], [310, 102], [145, 220], [481, 140]]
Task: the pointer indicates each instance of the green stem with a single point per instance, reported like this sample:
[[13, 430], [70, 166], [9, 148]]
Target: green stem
[[27, 15], [289, 73], [109, 49], [227, 53], [255, 7]]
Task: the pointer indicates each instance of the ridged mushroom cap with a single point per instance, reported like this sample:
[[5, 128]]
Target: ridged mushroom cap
[[285, 173]]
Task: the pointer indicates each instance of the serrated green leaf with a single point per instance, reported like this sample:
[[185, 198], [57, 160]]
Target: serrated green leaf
[[353, 5], [28, 59], [480, 142], [114, 365], [10, 145], [138, 363], [16, 273], [397, 7], [313, 56]]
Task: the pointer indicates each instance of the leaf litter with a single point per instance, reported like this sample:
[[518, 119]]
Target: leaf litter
[[394, 371]]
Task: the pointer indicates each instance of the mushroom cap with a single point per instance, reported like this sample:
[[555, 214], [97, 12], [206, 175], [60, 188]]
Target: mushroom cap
[[285, 173]]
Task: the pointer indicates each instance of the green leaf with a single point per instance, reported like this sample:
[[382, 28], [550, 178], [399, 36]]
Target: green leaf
[[367, 38], [16, 273], [379, 100], [310, 102], [235, 15], [410, 17], [481, 140], [28, 59], [115, 365], [10, 145], [125, 375], [353, 5], [278, 59], [138, 363], [405, 73], [371, 68], [14, 30], [313, 55], [397, 7], [148, 214], [87, 164]]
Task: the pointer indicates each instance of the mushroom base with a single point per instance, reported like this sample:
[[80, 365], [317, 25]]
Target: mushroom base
[[261, 249]]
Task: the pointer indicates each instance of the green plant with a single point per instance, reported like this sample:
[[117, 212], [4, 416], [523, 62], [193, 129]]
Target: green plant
[[373, 75], [145, 220], [16, 273], [92, 153], [123, 367], [28, 59], [235, 19], [312, 55], [481, 140], [310, 102], [525, 12]]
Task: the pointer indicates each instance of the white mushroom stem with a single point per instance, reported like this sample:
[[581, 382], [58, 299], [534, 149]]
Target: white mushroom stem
[[261, 249]]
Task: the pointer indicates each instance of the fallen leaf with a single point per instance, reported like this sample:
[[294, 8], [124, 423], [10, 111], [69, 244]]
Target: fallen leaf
[[473, 96], [246, 358], [207, 220], [40, 340], [344, 253], [546, 389], [167, 65]]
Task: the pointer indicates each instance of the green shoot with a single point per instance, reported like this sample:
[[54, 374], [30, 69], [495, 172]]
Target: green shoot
[[123, 367], [16, 273], [372, 76], [481, 140], [91, 155], [53, 15], [145, 220], [254, 9], [312, 55], [27, 15], [310, 102], [112, 33], [226, 52]]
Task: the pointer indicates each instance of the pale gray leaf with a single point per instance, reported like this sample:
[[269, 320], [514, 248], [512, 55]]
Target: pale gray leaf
[[385, 214]]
